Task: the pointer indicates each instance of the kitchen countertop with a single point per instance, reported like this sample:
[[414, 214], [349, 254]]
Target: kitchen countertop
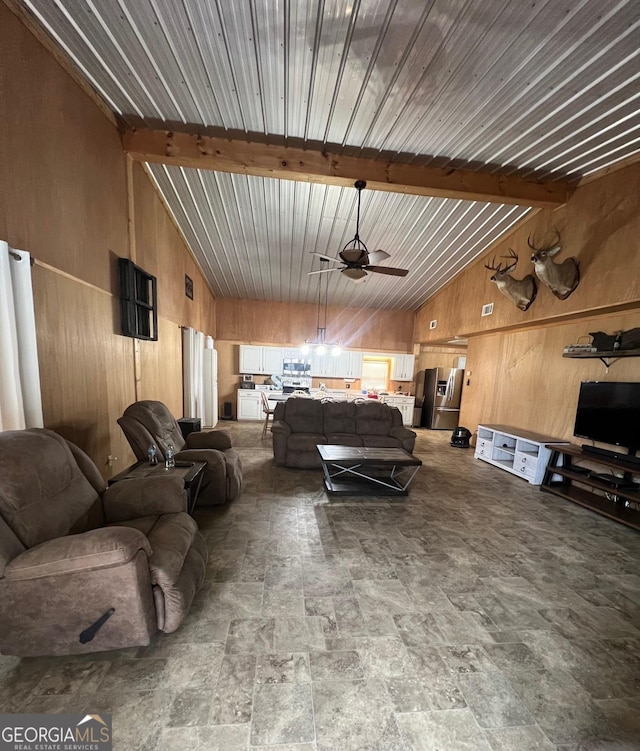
[[333, 393]]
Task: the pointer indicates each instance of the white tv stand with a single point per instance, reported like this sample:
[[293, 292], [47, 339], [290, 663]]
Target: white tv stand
[[520, 452]]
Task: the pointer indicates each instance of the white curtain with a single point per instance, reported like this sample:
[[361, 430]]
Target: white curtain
[[20, 398], [192, 374]]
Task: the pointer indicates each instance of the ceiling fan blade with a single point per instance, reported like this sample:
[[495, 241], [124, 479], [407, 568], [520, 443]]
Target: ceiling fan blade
[[355, 275], [376, 256], [325, 258], [323, 271], [388, 270]]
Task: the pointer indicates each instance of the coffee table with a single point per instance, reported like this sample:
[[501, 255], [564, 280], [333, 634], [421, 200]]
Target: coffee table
[[190, 472], [359, 470]]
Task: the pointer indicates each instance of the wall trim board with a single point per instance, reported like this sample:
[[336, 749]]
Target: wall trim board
[[73, 278], [559, 320], [27, 18], [131, 206]]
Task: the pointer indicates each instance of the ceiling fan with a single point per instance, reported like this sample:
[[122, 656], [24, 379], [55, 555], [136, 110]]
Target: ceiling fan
[[356, 261]]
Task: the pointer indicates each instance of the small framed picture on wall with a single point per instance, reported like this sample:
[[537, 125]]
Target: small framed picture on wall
[[188, 286]]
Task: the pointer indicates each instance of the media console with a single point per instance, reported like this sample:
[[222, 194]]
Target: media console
[[521, 452], [602, 483]]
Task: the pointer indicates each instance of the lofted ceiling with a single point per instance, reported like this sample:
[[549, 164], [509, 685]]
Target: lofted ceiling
[[404, 93]]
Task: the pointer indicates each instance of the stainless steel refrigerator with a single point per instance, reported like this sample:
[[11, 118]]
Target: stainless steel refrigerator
[[440, 390]]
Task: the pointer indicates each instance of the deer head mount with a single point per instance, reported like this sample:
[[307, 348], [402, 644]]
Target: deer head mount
[[521, 292], [561, 278]]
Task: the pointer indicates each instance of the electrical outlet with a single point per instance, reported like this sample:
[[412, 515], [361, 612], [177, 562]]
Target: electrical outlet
[[111, 460], [487, 309], [433, 324]]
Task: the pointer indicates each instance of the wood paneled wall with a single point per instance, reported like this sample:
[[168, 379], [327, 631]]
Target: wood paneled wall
[[263, 322], [522, 379], [273, 323], [66, 198], [517, 375], [599, 226]]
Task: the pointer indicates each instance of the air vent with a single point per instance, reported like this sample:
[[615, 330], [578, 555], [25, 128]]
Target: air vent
[[433, 324], [487, 309]]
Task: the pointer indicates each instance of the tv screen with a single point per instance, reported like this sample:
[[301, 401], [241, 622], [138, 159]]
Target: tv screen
[[609, 413]]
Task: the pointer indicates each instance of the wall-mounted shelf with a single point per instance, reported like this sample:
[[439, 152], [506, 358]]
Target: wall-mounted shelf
[[611, 356]]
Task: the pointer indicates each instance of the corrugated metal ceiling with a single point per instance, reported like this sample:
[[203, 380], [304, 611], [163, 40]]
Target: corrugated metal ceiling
[[539, 88]]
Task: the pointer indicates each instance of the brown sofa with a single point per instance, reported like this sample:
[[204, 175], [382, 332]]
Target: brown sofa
[[147, 422], [84, 568], [299, 425]]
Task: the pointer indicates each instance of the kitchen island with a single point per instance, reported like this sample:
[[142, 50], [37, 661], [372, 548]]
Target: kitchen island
[[249, 402]]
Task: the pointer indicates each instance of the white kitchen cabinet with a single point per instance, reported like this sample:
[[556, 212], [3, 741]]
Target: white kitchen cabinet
[[249, 405], [402, 368], [272, 360], [348, 364], [351, 364], [324, 366], [405, 404], [261, 360]]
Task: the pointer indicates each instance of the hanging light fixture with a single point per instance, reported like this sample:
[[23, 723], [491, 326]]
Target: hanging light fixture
[[320, 345]]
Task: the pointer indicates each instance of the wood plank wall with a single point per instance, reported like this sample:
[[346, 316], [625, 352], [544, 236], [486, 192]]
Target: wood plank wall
[[522, 379], [515, 368], [281, 324], [599, 226], [67, 199]]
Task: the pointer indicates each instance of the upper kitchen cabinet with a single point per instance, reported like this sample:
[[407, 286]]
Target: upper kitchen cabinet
[[348, 364], [402, 368], [261, 360]]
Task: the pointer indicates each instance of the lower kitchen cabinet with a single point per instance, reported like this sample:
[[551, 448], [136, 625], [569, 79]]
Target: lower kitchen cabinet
[[249, 405]]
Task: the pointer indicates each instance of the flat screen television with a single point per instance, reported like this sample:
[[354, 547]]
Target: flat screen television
[[609, 413]]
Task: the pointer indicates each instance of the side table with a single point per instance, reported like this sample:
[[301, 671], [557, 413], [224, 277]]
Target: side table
[[190, 472]]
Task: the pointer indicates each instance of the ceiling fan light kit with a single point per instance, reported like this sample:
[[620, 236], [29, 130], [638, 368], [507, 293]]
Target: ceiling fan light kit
[[355, 259]]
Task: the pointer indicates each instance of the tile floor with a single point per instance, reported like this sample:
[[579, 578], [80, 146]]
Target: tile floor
[[479, 614]]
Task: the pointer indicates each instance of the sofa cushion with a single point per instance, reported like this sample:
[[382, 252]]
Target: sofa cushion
[[339, 417], [344, 439], [304, 415], [381, 441], [305, 441], [43, 493], [373, 418]]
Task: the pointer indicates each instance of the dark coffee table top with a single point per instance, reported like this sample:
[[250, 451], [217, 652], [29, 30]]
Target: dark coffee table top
[[364, 455]]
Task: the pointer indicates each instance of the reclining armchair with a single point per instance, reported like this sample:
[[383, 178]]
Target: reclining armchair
[[85, 568], [147, 422]]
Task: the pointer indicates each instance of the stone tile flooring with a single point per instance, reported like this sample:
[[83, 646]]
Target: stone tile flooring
[[479, 614]]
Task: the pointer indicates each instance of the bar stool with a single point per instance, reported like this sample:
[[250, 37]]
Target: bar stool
[[268, 411]]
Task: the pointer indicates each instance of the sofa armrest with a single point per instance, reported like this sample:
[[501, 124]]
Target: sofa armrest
[[279, 426], [144, 496], [99, 548], [210, 439], [402, 434]]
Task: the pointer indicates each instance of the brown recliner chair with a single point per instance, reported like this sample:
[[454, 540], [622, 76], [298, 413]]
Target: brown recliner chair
[[147, 422], [84, 568]]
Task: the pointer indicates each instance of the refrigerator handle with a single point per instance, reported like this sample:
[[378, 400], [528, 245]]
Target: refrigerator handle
[[449, 393]]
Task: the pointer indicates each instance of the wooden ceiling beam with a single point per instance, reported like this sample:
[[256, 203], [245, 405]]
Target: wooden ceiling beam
[[288, 163]]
